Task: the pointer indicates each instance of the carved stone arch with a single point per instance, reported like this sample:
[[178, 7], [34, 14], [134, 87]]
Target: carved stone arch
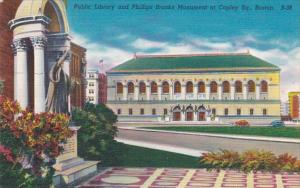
[[226, 86], [201, 86], [165, 86], [213, 86], [251, 86], [142, 86], [189, 86], [130, 87], [177, 86], [153, 86], [238, 86], [264, 86]]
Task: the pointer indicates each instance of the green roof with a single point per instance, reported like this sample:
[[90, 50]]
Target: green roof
[[193, 62]]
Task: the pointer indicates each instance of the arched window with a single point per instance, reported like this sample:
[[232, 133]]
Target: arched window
[[201, 87], [263, 86], [153, 87], [226, 87], [142, 87], [251, 86], [238, 87], [189, 87], [165, 87], [213, 87], [177, 87], [119, 88], [130, 87]]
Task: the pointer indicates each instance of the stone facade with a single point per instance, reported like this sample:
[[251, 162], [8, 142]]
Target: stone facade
[[92, 89], [195, 96], [78, 74]]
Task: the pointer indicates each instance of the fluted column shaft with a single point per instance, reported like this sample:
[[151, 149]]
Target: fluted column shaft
[[20, 72], [38, 44]]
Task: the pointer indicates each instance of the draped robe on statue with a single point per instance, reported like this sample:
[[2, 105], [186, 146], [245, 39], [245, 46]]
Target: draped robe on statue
[[59, 88]]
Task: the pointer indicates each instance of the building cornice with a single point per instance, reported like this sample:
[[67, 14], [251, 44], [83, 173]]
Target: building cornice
[[28, 20], [241, 101]]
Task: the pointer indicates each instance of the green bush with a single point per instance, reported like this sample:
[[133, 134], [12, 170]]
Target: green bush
[[97, 132], [252, 160]]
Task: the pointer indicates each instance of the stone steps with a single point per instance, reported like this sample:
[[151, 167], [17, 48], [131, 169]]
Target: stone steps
[[75, 172]]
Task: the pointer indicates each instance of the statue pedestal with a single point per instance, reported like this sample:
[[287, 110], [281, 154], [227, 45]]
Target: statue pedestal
[[69, 167]]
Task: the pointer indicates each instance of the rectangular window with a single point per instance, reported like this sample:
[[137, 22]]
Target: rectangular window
[[91, 76], [226, 112], [264, 112], [91, 84], [213, 111], [165, 111], [238, 112], [91, 91], [142, 111], [130, 111], [119, 111], [251, 111], [153, 111]]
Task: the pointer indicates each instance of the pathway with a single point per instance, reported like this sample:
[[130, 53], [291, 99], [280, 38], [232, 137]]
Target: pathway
[[209, 142], [189, 178]]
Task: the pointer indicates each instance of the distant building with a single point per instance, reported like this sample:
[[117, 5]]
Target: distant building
[[78, 74], [222, 87], [294, 98], [102, 88], [285, 108], [92, 89]]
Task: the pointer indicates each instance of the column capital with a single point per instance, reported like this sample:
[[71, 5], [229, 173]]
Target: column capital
[[18, 44], [38, 41]]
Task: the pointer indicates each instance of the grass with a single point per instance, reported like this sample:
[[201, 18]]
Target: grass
[[133, 156], [288, 132]]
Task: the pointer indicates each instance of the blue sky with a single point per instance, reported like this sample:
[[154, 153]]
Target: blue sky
[[115, 35]]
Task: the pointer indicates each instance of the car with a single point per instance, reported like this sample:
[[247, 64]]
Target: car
[[277, 123]]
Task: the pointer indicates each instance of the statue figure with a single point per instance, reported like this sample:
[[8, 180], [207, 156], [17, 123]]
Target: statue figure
[[59, 88]]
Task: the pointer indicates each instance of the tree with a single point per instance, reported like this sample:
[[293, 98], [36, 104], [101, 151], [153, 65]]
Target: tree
[[97, 132]]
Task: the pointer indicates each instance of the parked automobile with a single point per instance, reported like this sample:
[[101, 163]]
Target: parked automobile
[[277, 123]]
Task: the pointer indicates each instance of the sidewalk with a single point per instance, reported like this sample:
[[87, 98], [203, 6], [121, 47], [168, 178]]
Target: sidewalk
[[189, 178], [169, 148]]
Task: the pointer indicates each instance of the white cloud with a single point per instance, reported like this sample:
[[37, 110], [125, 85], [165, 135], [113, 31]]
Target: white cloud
[[111, 56], [289, 62], [144, 44]]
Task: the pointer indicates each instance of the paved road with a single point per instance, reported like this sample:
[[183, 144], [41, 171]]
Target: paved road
[[188, 178], [208, 143]]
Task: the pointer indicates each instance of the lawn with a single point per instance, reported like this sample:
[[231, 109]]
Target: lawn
[[288, 132], [133, 156]]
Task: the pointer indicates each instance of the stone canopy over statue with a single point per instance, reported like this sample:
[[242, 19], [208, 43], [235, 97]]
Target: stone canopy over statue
[[59, 87]]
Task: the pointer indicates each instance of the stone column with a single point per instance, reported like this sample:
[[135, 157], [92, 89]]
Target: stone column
[[245, 91], [148, 92], [220, 91], [136, 93], [38, 44], [182, 116], [125, 93], [159, 91], [207, 91], [15, 66], [195, 92], [171, 92], [20, 73], [257, 91], [183, 92], [232, 92]]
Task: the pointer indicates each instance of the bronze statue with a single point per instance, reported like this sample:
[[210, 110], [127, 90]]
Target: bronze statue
[[59, 88]]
